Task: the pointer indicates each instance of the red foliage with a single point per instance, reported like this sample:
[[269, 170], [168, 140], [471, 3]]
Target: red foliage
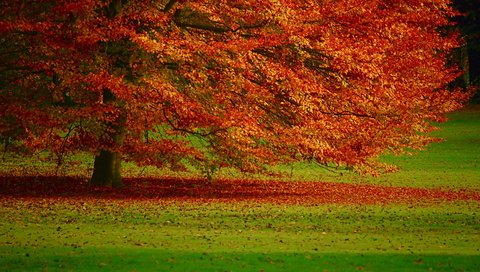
[[259, 82], [197, 190]]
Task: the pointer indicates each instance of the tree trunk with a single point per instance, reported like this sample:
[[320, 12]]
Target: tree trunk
[[106, 170], [465, 65], [107, 165]]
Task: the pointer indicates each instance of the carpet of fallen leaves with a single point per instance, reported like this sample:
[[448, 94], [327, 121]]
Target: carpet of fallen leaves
[[198, 190]]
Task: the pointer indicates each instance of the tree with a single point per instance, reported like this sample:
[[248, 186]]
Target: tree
[[225, 83]]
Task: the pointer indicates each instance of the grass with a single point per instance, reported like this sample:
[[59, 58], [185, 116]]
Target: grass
[[89, 234], [244, 236], [245, 227], [158, 260]]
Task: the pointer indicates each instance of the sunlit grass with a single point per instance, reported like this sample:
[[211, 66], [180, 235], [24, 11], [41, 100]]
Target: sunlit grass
[[247, 227]]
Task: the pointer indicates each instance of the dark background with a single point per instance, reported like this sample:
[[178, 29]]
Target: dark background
[[469, 25]]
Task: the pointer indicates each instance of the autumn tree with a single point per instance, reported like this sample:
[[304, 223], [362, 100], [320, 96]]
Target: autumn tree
[[235, 83]]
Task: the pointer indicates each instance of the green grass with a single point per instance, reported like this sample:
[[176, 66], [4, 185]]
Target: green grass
[[161, 260], [118, 235], [246, 227], [243, 236]]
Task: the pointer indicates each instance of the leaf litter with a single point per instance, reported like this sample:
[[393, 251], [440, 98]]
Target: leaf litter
[[199, 190]]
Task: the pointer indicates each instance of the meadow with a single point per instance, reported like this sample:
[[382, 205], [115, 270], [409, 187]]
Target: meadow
[[423, 218]]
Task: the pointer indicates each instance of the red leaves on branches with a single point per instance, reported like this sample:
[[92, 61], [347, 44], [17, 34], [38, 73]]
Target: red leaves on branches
[[238, 83]]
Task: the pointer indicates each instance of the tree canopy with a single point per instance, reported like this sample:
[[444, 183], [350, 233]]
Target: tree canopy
[[235, 83]]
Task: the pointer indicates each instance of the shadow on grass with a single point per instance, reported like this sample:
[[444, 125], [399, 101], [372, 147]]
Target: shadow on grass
[[52, 186], [106, 259], [227, 190]]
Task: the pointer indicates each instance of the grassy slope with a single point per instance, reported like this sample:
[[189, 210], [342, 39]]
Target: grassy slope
[[116, 235]]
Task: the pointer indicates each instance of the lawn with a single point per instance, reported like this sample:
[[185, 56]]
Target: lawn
[[423, 218]]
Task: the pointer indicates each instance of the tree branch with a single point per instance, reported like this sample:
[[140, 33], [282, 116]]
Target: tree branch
[[169, 5], [349, 113], [192, 19], [170, 123]]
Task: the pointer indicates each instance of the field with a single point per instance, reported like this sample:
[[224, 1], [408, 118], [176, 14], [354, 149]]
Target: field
[[423, 218]]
